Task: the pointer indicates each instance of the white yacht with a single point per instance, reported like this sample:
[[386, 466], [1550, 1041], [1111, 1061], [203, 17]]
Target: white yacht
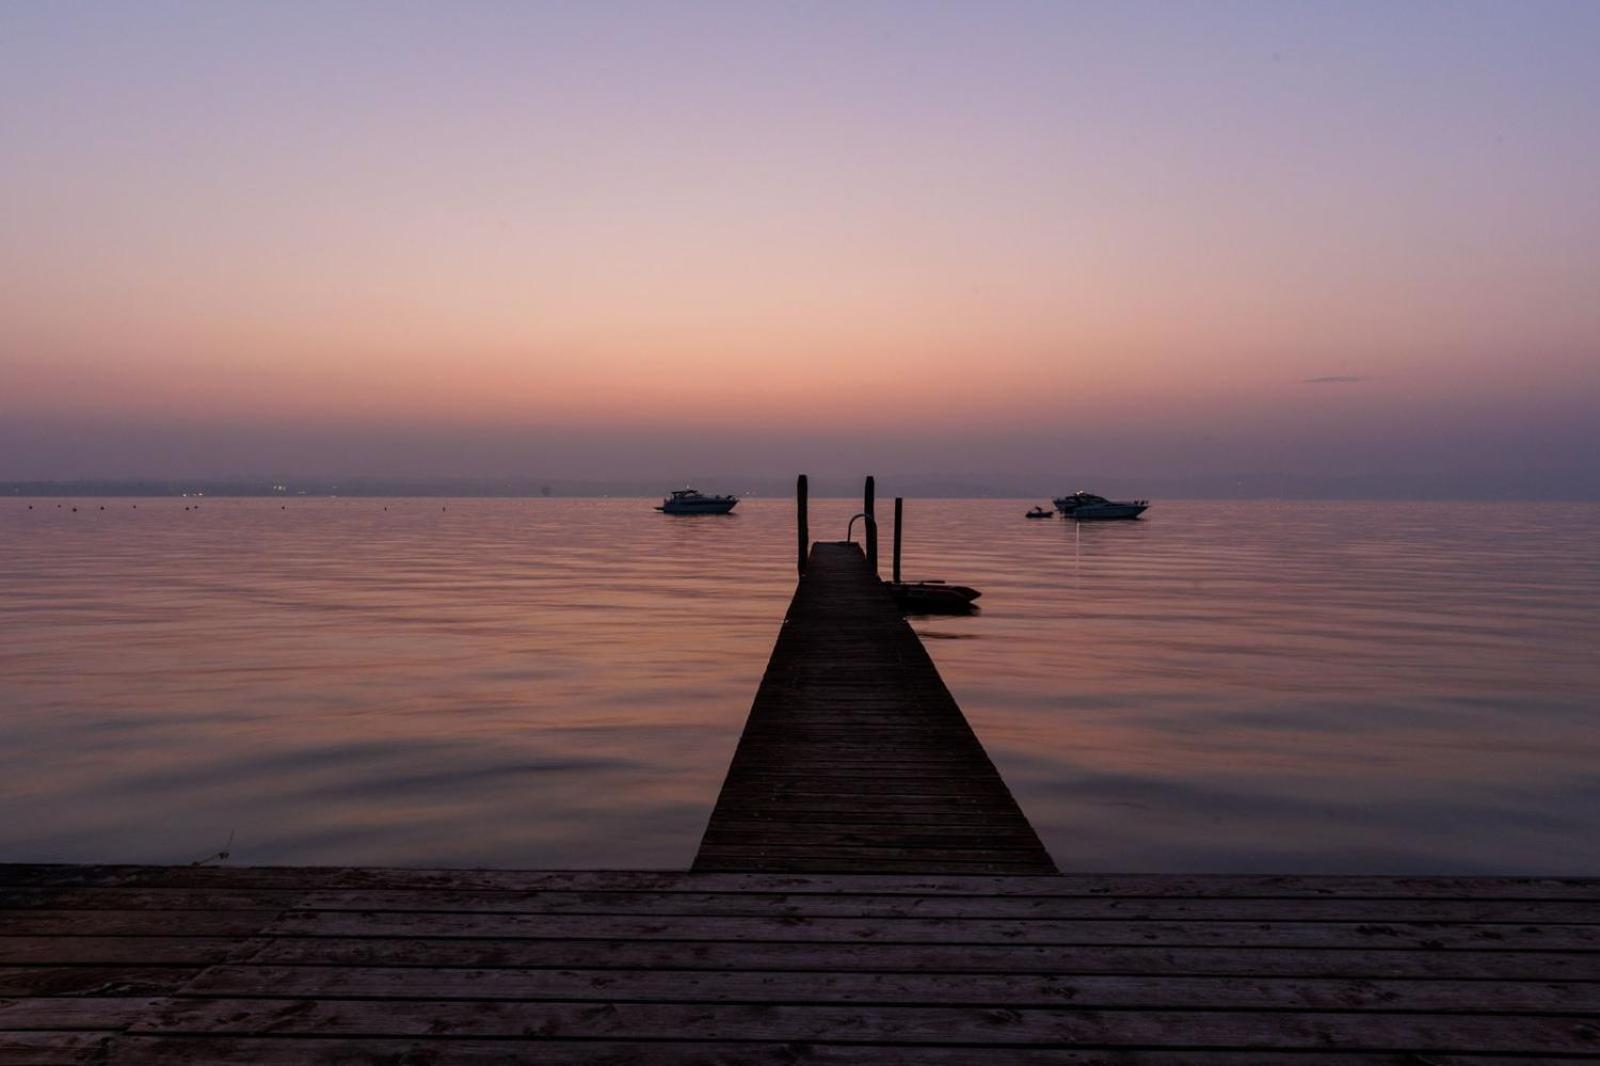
[[693, 501], [1087, 507]]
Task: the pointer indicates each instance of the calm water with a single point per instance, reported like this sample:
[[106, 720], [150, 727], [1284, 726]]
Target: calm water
[[1222, 687]]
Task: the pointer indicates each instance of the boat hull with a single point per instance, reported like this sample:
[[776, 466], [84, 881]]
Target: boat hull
[[699, 507], [1110, 512], [932, 597], [1087, 507]]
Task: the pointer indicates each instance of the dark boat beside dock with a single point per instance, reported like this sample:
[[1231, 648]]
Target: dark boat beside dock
[[932, 597]]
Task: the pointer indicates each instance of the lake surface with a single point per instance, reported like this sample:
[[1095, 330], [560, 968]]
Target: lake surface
[[1223, 687]]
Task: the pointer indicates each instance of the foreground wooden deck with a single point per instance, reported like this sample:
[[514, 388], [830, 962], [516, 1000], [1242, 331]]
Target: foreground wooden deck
[[855, 757], [277, 965]]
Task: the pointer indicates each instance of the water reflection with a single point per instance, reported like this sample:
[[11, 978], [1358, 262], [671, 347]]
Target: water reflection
[[1256, 686], [1341, 687]]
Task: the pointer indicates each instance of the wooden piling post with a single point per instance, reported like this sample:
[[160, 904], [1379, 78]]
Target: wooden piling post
[[802, 524], [899, 505], [868, 508], [869, 497]]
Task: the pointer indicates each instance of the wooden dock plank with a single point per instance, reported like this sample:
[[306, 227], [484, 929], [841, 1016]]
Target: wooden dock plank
[[160, 951], [18, 981], [1219, 886], [996, 1027], [1083, 992], [480, 966], [818, 930], [803, 956], [46, 1048], [301, 1051], [852, 715], [839, 904], [65, 1013], [140, 922]]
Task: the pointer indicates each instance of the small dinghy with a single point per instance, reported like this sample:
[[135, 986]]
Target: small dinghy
[[1041, 512], [932, 597]]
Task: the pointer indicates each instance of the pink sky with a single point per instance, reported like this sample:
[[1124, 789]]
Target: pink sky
[[617, 240]]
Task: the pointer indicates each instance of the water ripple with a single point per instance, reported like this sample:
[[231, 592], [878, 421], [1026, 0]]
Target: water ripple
[[1223, 686]]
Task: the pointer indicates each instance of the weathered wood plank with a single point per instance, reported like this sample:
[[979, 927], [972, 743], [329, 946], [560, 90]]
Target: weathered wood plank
[[846, 660], [830, 867], [1082, 992], [18, 981], [46, 1048], [311, 1051], [732, 904], [933, 957], [818, 770], [806, 832], [139, 922], [354, 965], [139, 898], [905, 850], [116, 950], [75, 1012], [1224, 886], [724, 903], [1355, 1031], [1366, 936], [775, 805]]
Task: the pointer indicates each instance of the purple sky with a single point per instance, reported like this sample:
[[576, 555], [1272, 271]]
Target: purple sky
[[637, 240]]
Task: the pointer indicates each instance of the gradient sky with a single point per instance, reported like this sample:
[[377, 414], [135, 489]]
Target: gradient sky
[[622, 239]]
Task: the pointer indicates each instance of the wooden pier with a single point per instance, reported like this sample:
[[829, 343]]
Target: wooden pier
[[855, 758], [867, 892], [186, 965]]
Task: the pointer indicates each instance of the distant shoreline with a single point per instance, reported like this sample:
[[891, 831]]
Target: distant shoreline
[[1262, 487]]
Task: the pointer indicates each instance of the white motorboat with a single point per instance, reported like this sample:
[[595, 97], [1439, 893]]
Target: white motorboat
[[693, 501], [1087, 507]]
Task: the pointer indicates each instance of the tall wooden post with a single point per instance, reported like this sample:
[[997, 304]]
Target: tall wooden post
[[899, 505], [867, 503], [802, 525]]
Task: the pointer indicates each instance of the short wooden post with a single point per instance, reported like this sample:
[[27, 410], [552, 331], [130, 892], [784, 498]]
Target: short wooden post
[[802, 525], [868, 501], [899, 506]]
